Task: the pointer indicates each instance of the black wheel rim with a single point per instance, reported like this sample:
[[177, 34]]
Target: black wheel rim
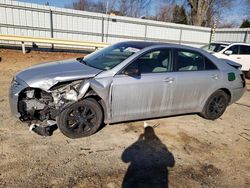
[[217, 106], [80, 119]]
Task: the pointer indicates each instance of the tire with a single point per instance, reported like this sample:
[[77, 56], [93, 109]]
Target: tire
[[80, 119], [215, 105]]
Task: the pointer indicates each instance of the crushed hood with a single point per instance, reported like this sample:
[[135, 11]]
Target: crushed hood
[[46, 75]]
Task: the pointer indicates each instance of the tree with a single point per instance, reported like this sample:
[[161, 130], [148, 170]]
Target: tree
[[87, 5], [204, 12], [164, 10], [179, 15], [245, 24], [99, 6], [133, 8], [81, 5], [227, 25], [199, 10], [164, 13], [216, 11], [195, 12]]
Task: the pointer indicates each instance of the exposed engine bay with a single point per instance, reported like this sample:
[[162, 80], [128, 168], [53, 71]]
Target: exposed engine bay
[[38, 105]]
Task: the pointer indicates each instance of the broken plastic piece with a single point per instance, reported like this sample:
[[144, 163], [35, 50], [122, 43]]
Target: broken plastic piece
[[43, 131]]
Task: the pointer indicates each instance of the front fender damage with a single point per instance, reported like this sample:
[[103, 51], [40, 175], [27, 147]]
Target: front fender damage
[[74, 92], [103, 88], [100, 86], [60, 96]]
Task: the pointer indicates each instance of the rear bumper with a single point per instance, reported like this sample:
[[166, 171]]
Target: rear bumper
[[16, 87], [237, 94]]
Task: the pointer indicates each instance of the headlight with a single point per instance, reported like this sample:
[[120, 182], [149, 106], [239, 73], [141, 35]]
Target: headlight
[[17, 85], [14, 83]]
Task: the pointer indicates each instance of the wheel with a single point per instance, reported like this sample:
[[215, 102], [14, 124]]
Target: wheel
[[215, 105], [80, 119]]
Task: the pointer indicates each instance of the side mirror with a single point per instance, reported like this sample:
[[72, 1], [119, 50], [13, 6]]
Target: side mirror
[[228, 52], [132, 70]]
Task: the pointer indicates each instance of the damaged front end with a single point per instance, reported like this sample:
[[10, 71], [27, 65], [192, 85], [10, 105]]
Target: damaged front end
[[38, 105], [38, 94], [43, 109], [40, 108]]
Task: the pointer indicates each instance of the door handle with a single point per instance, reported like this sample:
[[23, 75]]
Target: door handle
[[215, 76], [238, 57], [169, 79]]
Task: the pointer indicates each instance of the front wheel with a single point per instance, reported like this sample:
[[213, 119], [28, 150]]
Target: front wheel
[[215, 105], [80, 119]]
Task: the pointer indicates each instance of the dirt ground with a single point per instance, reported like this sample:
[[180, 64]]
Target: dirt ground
[[186, 151]]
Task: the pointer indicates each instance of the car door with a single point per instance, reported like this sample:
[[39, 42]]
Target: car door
[[196, 78], [148, 94]]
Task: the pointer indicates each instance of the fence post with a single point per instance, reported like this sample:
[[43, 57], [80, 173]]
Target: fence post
[[51, 27], [146, 31], [211, 35], [102, 29], [180, 35], [23, 48], [107, 28], [245, 37]]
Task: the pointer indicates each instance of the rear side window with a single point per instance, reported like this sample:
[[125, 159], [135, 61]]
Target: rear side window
[[245, 50], [186, 60], [209, 65]]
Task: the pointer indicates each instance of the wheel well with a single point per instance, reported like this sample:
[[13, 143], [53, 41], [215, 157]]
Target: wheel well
[[228, 93], [92, 94]]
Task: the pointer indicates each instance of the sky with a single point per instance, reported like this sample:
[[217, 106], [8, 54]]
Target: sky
[[56, 3], [236, 14]]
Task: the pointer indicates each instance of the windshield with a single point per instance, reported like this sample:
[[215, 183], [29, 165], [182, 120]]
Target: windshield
[[214, 47], [111, 56]]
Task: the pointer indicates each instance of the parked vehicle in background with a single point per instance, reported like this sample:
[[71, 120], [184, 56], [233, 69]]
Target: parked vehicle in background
[[125, 81], [239, 53], [215, 46]]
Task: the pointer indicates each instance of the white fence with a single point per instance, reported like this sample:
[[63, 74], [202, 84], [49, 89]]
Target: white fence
[[26, 19], [233, 35]]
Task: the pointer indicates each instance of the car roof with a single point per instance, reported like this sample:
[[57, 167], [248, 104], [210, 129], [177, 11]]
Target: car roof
[[219, 42], [240, 43], [142, 44], [231, 43]]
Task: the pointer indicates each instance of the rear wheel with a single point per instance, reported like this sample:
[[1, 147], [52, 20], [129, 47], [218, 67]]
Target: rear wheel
[[215, 105], [80, 119]]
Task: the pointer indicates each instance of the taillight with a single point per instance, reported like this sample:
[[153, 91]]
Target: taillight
[[243, 80]]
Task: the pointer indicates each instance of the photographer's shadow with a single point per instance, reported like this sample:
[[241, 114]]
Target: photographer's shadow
[[149, 160]]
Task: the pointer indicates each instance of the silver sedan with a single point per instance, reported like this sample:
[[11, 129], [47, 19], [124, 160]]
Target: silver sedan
[[125, 81]]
